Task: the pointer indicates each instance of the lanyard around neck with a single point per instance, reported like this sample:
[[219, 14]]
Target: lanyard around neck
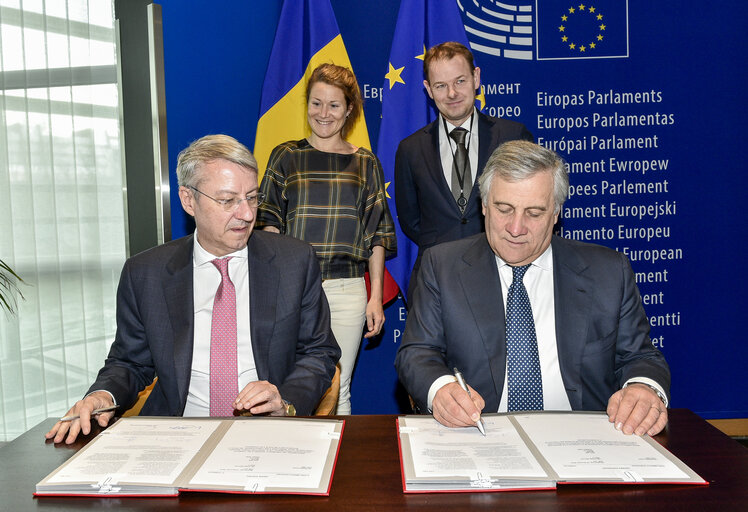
[[460, 172]]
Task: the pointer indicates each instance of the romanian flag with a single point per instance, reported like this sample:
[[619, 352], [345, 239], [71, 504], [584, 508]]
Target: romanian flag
[[307, 36], [406, 106]]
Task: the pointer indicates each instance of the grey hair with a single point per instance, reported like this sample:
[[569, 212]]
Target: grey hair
[[517, 160], [207, 149]]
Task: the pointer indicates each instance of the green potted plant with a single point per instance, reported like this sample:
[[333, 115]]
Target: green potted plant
[[8, 288]]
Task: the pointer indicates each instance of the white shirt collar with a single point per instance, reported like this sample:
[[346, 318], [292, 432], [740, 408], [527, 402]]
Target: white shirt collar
[[465, 125], [200, 256], [544, 261]]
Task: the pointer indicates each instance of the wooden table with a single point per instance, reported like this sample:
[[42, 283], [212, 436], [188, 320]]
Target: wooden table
[[367, 477]]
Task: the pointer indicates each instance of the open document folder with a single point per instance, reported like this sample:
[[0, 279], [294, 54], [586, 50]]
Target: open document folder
[[534, 450], [162, 456]]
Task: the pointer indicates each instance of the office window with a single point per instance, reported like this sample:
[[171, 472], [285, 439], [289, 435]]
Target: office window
[[62, 208]]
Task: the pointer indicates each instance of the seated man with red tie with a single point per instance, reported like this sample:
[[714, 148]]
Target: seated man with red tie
[[227, 319], [532, 320]]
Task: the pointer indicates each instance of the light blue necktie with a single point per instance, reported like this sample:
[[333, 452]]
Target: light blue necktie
[[524, 383]]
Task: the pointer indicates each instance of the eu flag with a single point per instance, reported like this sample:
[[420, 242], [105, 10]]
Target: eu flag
[[406, 106], [581, 30]]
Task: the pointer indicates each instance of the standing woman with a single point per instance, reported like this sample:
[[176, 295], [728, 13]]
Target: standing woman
[[330, 193]]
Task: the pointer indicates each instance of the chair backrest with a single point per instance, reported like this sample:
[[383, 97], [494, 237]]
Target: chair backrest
[[142, 397], [328, 405]]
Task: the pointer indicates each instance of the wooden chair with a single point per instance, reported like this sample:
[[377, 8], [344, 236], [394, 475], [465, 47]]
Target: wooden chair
[[142, 397], [326, 407]]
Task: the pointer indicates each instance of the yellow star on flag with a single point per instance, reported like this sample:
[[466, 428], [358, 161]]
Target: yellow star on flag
[[481, 97], [387, 184], [393, 75], [420, 57]]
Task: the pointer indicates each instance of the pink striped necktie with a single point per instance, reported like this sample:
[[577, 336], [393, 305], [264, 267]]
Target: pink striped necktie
[[224, 375]]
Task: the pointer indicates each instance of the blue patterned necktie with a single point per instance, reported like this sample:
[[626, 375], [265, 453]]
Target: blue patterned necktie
[[524, 384]]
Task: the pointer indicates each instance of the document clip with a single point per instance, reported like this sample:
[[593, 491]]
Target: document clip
[[632, 476], [106, 485], [482, 482], [254, 486]]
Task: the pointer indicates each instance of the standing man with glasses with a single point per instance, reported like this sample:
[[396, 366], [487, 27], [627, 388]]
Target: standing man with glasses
[[227, 319], [437, 167]]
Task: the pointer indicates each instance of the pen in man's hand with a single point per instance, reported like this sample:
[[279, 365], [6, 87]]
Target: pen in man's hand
[[95, 412], [462, 384]]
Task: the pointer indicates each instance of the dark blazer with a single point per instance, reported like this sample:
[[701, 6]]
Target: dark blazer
[[293, 345], [457, 319], [426, 209]]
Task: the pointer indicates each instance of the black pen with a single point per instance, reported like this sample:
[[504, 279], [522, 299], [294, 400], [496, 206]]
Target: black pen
[[461, 382], [95, 412]]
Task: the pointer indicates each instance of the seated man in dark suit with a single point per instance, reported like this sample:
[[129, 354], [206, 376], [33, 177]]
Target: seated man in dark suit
[[227, 319], [533, 321]]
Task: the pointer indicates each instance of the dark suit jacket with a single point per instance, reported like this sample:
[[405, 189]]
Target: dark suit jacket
[[293, 345], [426, 209], [457, 320]]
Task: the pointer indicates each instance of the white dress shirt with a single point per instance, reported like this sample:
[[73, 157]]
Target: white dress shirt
[[206, 278], [448, 147], [538, 281]]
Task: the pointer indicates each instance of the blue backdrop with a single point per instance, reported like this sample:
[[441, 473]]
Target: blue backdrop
[[649, 118]]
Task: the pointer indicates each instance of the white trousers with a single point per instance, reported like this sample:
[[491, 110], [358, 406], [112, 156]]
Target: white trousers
[[347, 299]]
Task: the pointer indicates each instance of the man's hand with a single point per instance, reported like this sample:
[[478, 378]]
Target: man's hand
[[636, 409], [260, 397], [374, 318], [453, 407], [83, 408]]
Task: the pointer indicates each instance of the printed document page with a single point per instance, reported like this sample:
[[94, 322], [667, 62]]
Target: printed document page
[[267, 455], [586, 447], [445, 453], [150, 450]]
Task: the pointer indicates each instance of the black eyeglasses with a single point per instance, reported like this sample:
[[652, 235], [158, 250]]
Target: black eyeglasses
[[230, 205]]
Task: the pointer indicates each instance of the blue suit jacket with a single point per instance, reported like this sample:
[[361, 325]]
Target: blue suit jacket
[[457, 319], [293, 345]]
